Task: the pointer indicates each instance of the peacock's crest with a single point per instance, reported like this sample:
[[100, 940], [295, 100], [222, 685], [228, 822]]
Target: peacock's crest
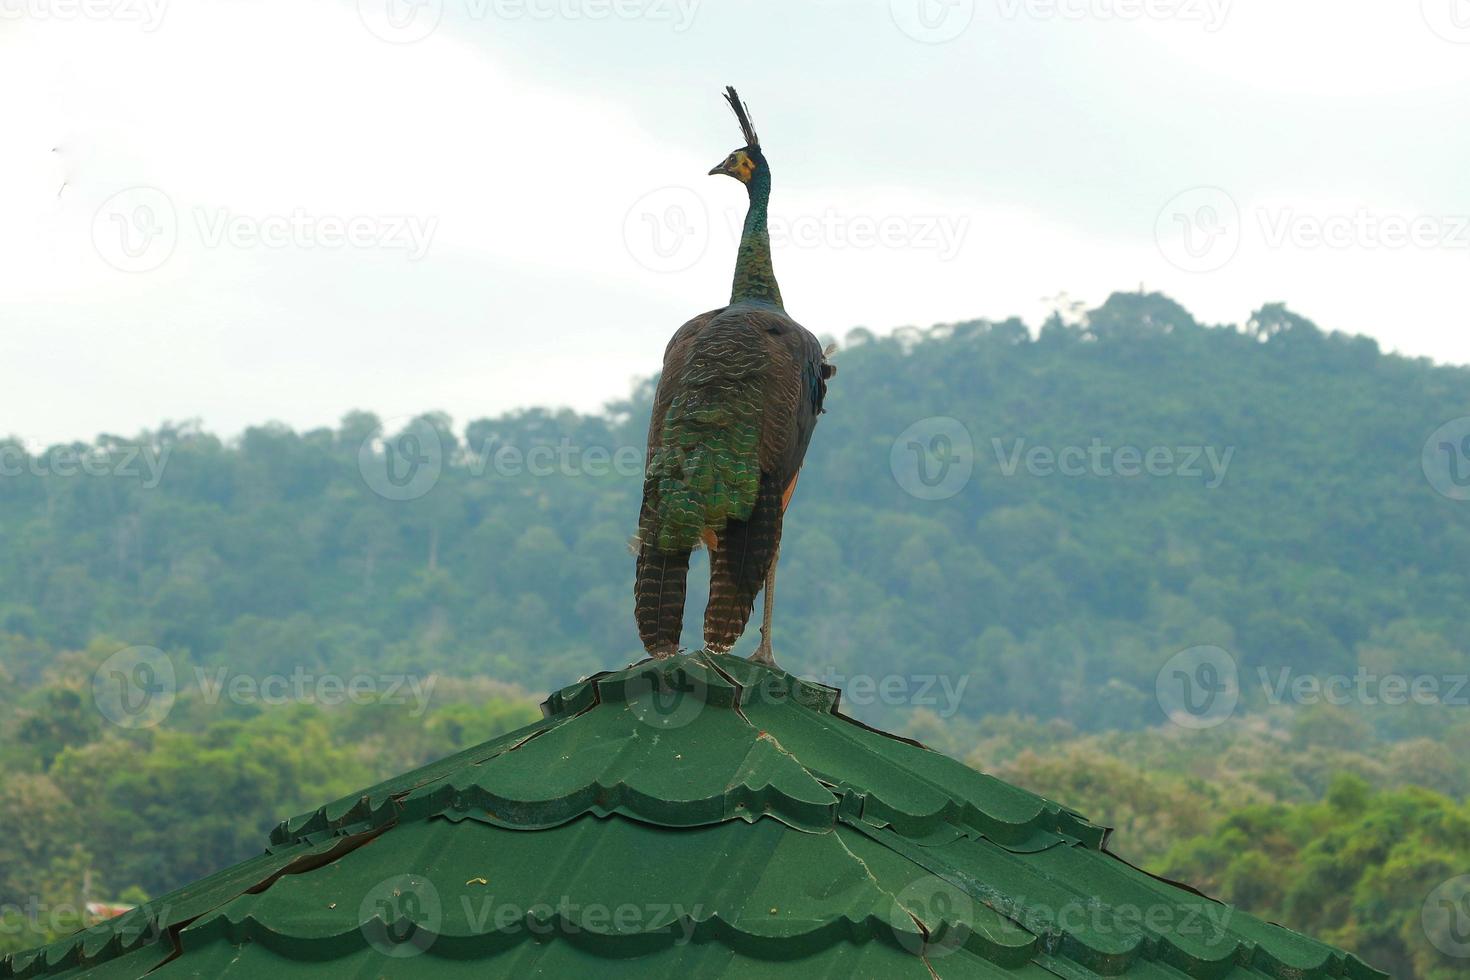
[[742, 113]]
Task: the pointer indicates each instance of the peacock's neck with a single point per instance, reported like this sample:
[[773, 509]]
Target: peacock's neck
[[755, 277]]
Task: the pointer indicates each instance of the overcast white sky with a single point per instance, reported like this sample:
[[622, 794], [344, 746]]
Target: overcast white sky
[[523, 183]]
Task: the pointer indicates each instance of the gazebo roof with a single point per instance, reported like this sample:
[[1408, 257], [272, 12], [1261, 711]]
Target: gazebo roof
[[690, 817]]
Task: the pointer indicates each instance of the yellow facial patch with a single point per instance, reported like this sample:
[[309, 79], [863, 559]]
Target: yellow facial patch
[[741, 166]]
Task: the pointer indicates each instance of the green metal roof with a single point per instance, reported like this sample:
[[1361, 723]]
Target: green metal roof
[[695, 817]]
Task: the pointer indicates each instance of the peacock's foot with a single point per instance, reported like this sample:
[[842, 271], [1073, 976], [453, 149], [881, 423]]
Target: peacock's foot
[[763, 654]]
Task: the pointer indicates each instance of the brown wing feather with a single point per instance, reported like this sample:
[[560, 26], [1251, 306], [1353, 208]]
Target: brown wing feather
[[794, 386], [661, 576], [738, 567]]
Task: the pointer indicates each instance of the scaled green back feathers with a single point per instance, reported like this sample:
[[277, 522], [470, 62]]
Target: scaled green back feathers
[[706, 466]]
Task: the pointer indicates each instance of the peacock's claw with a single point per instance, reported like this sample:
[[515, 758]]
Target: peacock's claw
[[764, 654]]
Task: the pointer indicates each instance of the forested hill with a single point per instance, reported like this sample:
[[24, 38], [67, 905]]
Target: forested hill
[[1138, 483]]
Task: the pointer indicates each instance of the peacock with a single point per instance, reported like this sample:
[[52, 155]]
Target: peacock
[[741, 390]]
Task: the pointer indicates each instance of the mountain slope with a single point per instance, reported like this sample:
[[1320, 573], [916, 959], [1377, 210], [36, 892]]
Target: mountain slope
[[1286, 519]]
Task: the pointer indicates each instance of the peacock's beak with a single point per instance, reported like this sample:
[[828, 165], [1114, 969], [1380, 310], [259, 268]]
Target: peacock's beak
[[718, 168]]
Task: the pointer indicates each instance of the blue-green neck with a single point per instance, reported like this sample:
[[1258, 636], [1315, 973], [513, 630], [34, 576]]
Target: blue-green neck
[[755, 277]]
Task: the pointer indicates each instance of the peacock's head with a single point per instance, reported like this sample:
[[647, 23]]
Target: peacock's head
[[746, 164], [743, 164]]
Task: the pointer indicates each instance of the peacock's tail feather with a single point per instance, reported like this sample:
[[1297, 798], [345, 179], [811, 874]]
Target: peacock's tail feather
[[738, 567], [658, 593]]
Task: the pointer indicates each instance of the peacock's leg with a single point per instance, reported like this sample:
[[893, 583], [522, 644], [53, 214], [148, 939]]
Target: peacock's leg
[[763, 654]]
